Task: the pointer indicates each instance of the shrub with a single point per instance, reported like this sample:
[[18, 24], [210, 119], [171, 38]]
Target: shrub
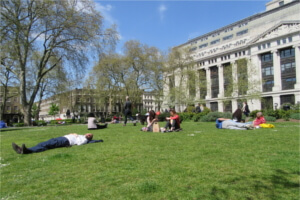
[[212, 116], [295, 116], [198, 116], [253, 113], [162, 116], [41, 123], [18, 124], [270, 118], [54, 122], [186, 116]]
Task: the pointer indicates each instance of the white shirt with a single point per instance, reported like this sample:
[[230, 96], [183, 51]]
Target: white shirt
[[76, 139]]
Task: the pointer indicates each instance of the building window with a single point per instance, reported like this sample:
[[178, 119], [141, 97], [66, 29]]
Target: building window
[[202, 85], [228, 37], [8, 108], [267, 57], [290, 52], [290, 39], [288, 83], [267, 103], [214, 75], [288, 68], [267, 71], [287, 99], [214, 106], [203, 45], [268, 85], [242, 32], [193, 49], [215, 41], [281, 3], [16, 109]]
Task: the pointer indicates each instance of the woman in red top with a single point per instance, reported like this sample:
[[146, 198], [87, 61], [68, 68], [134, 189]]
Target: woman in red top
[[173, 122], [259, 119]]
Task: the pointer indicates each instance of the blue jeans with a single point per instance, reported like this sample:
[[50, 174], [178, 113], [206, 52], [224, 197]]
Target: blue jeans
[[50, 144]]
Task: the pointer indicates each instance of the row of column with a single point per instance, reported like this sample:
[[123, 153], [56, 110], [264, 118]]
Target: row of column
[[255, 60]]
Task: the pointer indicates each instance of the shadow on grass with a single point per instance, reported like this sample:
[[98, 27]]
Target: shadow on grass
[[271, 187], [15, 129]]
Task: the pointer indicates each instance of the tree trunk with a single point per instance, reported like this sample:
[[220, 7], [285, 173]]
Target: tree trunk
[[26, 110]]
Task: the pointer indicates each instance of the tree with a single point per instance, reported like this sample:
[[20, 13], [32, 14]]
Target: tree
[[7, 87], [181, 70], [64, 31], [241, 85], [54, 109], [117, 76]]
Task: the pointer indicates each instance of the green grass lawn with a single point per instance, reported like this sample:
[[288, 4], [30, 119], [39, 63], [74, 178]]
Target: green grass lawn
[[201, 162]]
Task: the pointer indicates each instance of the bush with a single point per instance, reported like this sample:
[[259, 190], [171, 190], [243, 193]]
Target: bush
[[40, 123], [186, 116], [198, 116], [162, 116], [18, 124], [270, 118], [212, 116], [295, 116], [253, 113]]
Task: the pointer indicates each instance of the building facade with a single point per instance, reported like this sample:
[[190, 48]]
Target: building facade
[[151, 101], [81, 102], [11, 110], [267, 42]]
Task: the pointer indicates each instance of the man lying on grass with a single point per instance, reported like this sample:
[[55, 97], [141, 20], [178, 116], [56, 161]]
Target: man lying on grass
[[65, 141], [230, 124]]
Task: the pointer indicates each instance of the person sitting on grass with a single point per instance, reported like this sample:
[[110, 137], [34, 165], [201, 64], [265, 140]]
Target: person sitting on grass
[[150, 121], [259, 119], [92, 123], [237, 115], [65, 141], [173, 122], [223, 123], [115, 120]]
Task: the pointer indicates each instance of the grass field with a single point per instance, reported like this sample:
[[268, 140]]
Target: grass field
[[201, 162]]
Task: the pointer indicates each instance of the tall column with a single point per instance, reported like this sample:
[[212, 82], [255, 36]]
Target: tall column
[[276, 101], [255, 76], [197, 85], [234, 80], [221, 82], [208, 87], [297, 63], [234, 104], [220, 106], [277, 71]]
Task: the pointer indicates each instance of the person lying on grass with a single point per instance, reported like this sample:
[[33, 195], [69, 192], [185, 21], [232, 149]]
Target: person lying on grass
[[65, 141], [224, 123]]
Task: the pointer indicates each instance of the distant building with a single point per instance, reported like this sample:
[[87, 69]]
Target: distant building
[[151, 101], [81, 102], [12, 112], [270, 43]]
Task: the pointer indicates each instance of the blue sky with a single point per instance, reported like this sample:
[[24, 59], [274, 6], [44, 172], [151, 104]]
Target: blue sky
[[165, 24]]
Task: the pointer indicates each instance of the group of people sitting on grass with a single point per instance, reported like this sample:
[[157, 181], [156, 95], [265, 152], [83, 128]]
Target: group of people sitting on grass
[[172, 122]]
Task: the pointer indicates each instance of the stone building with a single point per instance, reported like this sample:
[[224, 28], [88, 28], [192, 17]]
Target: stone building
[[267, 42]]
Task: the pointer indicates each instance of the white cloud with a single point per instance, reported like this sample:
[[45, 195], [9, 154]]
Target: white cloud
[[105, 12], [162, 9]]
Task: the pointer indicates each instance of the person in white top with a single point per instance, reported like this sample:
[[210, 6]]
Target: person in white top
[[65, 141]]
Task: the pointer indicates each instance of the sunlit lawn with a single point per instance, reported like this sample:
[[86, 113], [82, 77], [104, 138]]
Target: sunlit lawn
[[201, 162]]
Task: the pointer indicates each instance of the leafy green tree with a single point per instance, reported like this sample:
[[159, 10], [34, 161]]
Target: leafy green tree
[[54, 109], [67, 32]]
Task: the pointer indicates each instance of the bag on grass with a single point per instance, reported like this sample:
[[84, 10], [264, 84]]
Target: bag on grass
[[267, 126], [156, 128]]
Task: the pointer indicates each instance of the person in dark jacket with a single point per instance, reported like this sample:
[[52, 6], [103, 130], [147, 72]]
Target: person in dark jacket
[[127, 110]]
